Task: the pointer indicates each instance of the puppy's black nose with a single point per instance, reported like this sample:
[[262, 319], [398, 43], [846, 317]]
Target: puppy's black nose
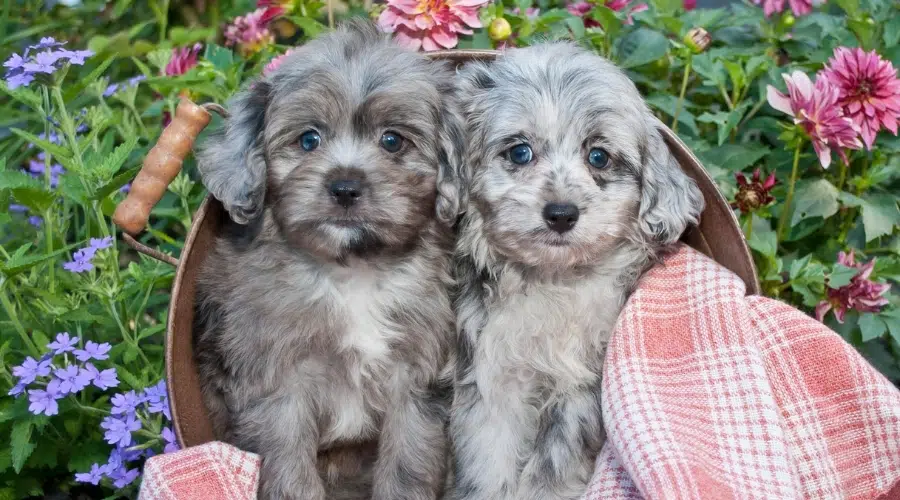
[[346, 192], [560, 217]]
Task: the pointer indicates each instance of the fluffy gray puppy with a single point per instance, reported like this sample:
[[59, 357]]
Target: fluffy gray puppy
[[573, 194], [324, 323]]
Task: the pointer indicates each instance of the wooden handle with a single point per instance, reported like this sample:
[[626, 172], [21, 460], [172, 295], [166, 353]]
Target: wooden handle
[[161, 165]]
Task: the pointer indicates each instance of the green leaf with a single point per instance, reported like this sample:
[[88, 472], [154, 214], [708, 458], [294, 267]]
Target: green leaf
[[113, 162], [642, 46], [725, 121], [818, 198], [734, 157], [128, 378], [18, 263], [668, 103], [20, 443], [864, 30], [311, 28], [851, 7], [711, 69], [26, 190], [799, 265], [116, 183], [871, 326], [892, 320], [841, 276], [763, 239], [24, 95], [220, 57], [892, 31], [577, 26], [54, 149], [82, 83], [879, 212]]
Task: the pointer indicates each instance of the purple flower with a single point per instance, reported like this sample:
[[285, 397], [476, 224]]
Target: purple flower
[[78, 266], [102, 379], [15, 61], [72, 379], [43, 57], [15, 207], [35, 220], [171, 441], [76, 57], [158, 399], [125, 477], [16, 390], [31, 369], [46, 43], [63, 343], [93, 350], [125, 189], [115, 87], [94, 476], [36, 168], [101, 243], [125, 404], [42, 402], [43, 63], [18, 80], [118, 431], [82, 259]]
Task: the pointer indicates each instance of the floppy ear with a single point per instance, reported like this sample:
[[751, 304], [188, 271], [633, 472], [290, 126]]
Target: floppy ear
[[452, 193], [670, 200], [232, 161]]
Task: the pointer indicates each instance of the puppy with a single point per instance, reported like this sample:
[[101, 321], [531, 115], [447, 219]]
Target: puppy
[[323, 320], [573, 194]]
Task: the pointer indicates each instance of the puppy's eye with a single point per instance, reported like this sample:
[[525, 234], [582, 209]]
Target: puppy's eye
[[391, 142], [520, 154], [598, 158], [310, 140]]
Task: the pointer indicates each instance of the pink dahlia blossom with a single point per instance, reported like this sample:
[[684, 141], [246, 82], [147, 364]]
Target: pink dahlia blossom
[[798, 7], [430, 24], [869, 90], [182, 60], [250, 32], [861, 293], [582, 8], [815, 108], [274, 8]]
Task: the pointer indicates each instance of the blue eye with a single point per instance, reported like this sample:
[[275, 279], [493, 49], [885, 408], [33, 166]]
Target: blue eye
[[598, 158], [391, 142], [520, 154], [310, 140]]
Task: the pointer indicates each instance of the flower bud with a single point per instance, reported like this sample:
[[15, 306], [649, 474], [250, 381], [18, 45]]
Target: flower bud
[[697, 39], [499, 30], [788, 20]]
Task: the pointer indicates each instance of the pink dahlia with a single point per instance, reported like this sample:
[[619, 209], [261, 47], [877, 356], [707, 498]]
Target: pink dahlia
[[861, 293], [815, 108], [274, 8], [582, 8], [798, 7], [869, 90], [250, 32], [430, 24], [182, 60]]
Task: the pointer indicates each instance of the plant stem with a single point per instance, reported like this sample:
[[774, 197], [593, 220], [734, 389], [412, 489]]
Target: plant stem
[[749, 231], [48, 178], [126, 335], [684, 82], [843, 177], [91, 409], [11, 312], [782, 223]]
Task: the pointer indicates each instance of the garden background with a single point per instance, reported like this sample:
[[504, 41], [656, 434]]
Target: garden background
[[790, 104]]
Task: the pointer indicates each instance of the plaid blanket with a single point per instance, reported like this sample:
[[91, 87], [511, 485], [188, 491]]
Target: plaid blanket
[[707, 393]]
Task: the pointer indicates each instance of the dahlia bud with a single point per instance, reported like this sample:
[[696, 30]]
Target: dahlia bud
[[499, 30], [788, 20], [697, 39]]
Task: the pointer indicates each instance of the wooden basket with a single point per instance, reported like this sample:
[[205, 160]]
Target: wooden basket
[[718, 236]]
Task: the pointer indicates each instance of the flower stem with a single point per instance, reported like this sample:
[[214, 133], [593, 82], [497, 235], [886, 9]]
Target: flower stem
[[90, 409], [843, 177], [48, 177], [782, 223], [684, 83], [749, 231], [14, 318]]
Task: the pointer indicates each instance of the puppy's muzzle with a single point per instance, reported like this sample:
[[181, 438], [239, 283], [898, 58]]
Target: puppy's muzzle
[[560, 217], [345, 192]]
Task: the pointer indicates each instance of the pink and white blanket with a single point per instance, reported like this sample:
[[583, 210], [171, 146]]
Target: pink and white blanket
[[707, 394]]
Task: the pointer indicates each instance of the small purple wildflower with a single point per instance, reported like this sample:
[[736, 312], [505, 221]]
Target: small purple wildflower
[[30, 369], [125, 477], [63, 343], [15, 207], [19, 80], [43, 57], [82, 259], [72, 379], [77, 57], [35, 220], [101, 243], [16, 390], [125, 189], [43, 63], [118, 431], [171, 441], [125, 403], [42, 402], [158, 399], [115, 87], [78, 266], [47, 42], [94, 476], [93, 350], [15, 61], [37, 168], [102, 379]]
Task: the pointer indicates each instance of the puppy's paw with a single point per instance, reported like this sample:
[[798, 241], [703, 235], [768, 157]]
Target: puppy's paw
[[276, 486]]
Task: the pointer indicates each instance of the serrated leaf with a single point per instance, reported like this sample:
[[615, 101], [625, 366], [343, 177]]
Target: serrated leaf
[[26, 190], [871, 326], [114, 162], [20, 445], [116, 182], [72, 189], [799, 265], [734, 157], [128, 377], [818, 198], [642, 46], [668, 103], [220, 57], [19, 263], [841, 276], [711, 69], [24, 95], [879, 211], [54, 149]]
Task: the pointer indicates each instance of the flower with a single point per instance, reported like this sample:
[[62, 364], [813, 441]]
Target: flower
[[37, 168], [72, 379], [430, 24], [798, 7], [30, 369], [158, 399], [43, 402], [582, 8], [82, 260], [754, 194], [63, 343], [124, 477], [93, 350], [250, 32], [276, 62], [125, 403], [697, 39], [182, 60], [690, 4], [94, 476], [42, 58], [274, 8], [17, 389], [815, 109], [869, 90], [861, 293], [115, 87], [102, 379], [170, 440], [118, 430]]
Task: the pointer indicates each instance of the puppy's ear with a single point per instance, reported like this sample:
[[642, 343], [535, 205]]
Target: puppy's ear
[[670, 200], [452, 194], [232, 161]]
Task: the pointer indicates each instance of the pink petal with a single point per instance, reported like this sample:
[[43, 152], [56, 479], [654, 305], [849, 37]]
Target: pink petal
[[407, 41], [823, 152], [778, 100], [429, 45], [822, 309], [445, 38]]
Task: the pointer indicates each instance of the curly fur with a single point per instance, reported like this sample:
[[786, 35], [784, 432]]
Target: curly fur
[[535, 308], [324, 334]]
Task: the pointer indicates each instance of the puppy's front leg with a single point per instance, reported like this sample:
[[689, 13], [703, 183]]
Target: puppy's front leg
[[284, 432], [569, 438], [412, 447]]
